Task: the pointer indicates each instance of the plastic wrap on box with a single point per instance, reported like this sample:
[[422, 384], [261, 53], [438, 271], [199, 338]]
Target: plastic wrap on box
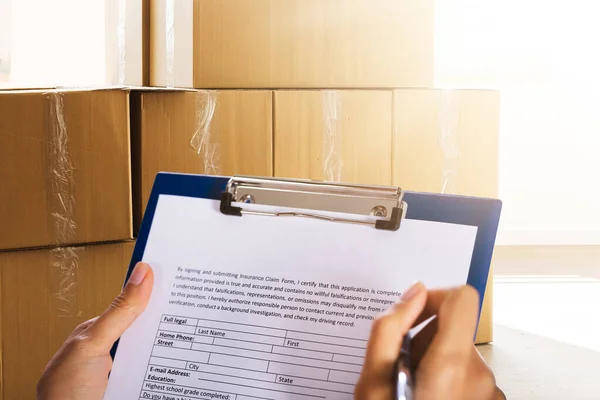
[[125, 41], [170, 43], [448, 139], [64, 260], [332, 136], [171, 32], [205, 105]]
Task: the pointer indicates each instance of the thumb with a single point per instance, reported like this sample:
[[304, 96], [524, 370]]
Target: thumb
[[388, 331], [124, 309]]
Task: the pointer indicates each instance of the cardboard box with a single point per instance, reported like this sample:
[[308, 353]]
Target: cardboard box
[[65, 167], [204, 132], [447, 141], [44, 295], [333, 135], [292, 43]]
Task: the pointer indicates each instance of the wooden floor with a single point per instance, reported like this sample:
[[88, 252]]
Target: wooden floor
[[547, 323]]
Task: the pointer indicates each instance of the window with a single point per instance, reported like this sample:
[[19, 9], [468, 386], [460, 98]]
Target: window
[[542, 56], [70, 42]]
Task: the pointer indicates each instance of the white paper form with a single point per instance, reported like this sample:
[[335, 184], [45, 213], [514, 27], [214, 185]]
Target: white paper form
[[272, 308]]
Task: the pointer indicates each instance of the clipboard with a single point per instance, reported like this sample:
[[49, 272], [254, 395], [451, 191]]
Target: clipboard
[[385, 209], [484, 213]]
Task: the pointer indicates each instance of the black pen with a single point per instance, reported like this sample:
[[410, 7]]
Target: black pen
[[403, 374]]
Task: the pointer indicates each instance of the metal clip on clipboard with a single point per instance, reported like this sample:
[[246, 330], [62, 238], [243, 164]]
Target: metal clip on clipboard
[[381, 206]]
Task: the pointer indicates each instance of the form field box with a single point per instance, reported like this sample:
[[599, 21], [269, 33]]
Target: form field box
[[344, 377], [167, 362], [348, 359], [243, 345], [176, 328], [260, 330], [327, 339], [302, 353], [180, 354], [238, 362], [298, 371]]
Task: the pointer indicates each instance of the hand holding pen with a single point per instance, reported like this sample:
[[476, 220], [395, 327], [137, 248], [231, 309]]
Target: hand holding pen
[[443, 364]]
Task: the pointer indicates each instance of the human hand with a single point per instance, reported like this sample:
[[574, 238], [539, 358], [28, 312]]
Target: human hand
[[448, 366], [80, 368]]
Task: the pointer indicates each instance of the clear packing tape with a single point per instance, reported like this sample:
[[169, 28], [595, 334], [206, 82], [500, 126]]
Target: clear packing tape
[[202, 141], [121, 41], [124, 42], [178, 28], [64, 260], [448, 119], [332, 136], [170, 43]]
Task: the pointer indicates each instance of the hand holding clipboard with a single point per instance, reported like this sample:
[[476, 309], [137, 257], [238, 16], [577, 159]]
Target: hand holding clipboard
[[267, 288]]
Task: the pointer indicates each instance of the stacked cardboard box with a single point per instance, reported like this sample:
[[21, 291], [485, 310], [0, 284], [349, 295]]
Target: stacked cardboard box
[[46, 293], [66, 190], [351, 100], [292, 43], [58, 147]]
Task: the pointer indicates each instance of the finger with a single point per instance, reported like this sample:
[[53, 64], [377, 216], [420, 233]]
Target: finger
[[444, 367], [457, 321], [435, 299], [482, 381], [421, 341], [385, 343], [124, 309], [83, 326], [388, 329]]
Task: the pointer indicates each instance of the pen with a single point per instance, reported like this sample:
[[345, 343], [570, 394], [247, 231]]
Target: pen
[[403, 374]]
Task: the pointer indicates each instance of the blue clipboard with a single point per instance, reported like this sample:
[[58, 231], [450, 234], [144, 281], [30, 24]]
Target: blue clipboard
[[480, 212]]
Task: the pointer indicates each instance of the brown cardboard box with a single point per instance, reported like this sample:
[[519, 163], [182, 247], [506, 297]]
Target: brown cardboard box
[[292, 43], [447, 141], [333, 135], [44, 295], [65, 167], [214, 132]]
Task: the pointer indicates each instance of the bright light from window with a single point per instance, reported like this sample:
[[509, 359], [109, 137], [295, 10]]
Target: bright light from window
[[542, 56], [59, 42]]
